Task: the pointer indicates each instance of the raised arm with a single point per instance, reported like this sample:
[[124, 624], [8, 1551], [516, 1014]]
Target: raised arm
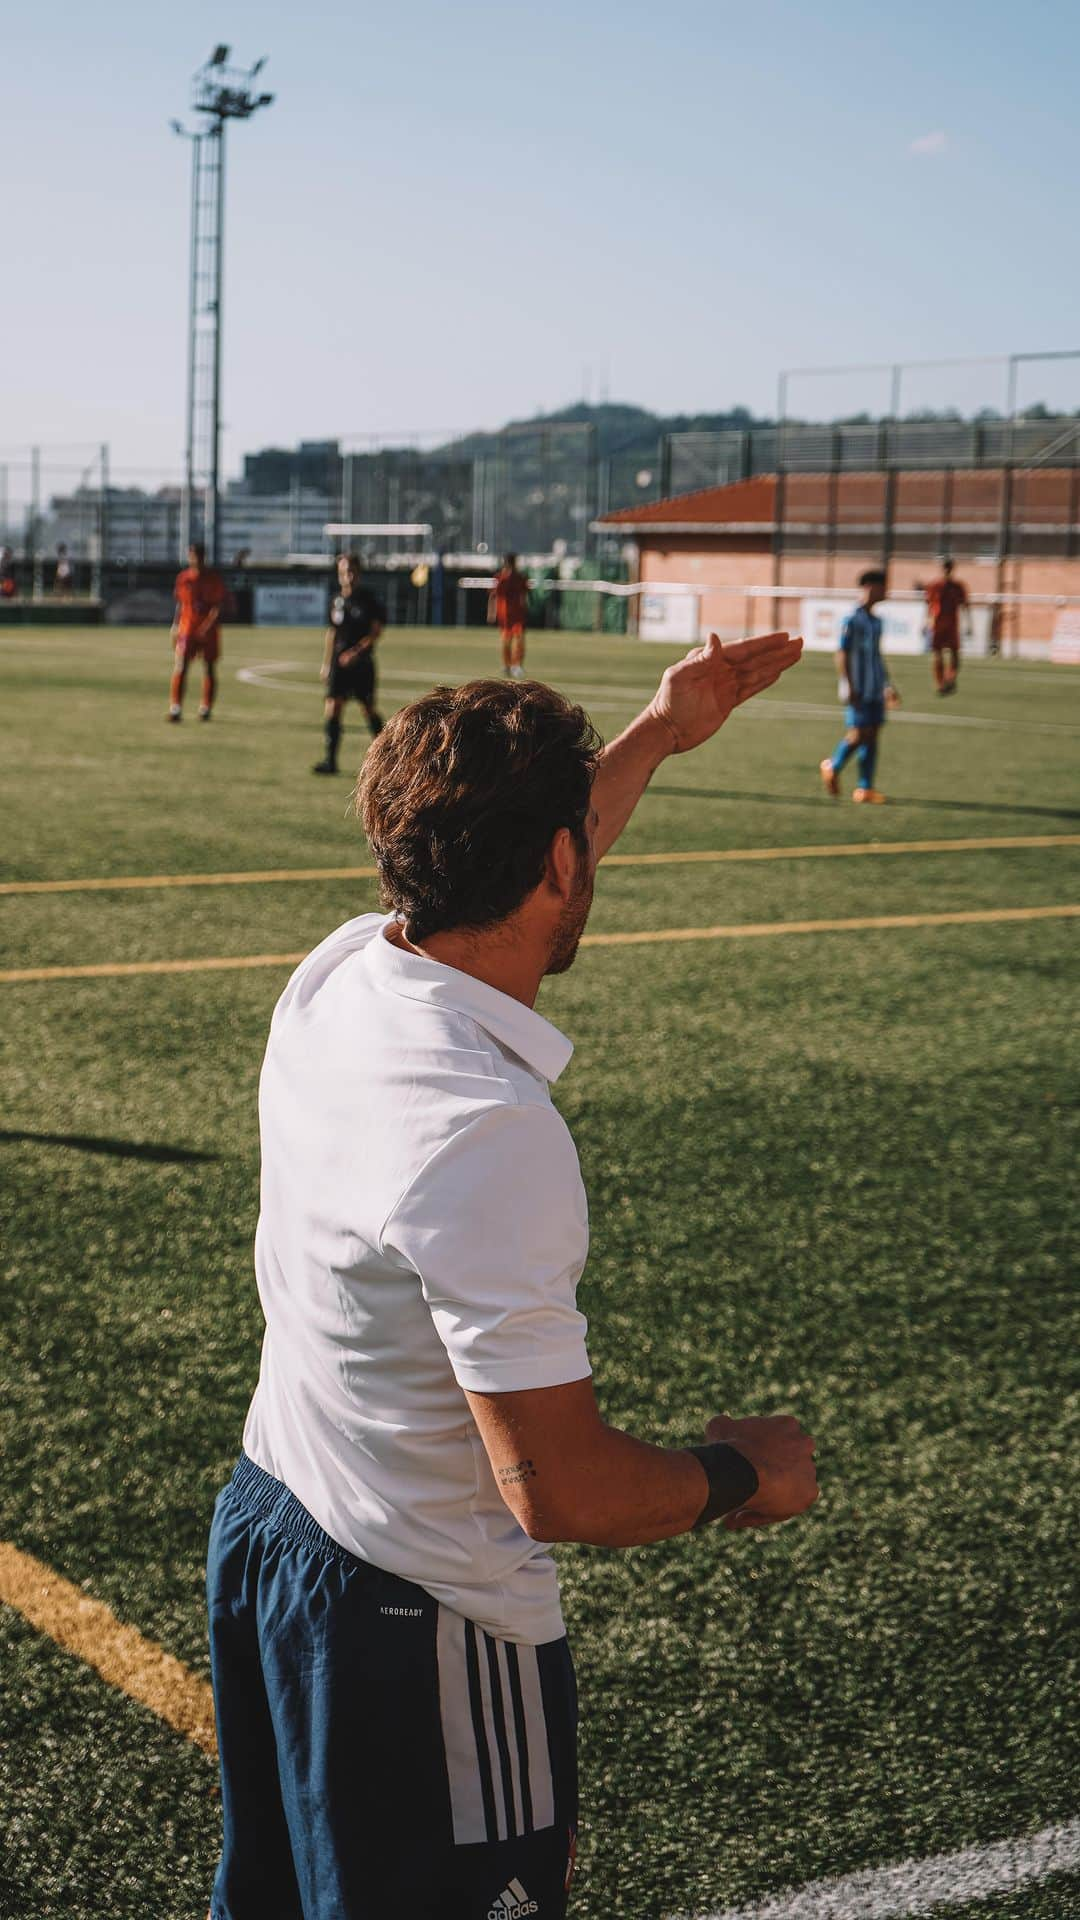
[[692, 702]]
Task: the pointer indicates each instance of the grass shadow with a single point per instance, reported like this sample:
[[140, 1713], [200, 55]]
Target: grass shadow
[[901, 800], [119, 1149]]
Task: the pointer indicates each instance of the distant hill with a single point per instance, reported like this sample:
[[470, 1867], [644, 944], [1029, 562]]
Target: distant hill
[[539, 482], [620, 427]]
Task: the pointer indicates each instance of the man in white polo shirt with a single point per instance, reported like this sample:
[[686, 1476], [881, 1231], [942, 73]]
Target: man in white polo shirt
[[394, 1690]]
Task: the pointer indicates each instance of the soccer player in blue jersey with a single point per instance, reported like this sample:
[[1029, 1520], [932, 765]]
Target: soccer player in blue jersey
[[866, 689]]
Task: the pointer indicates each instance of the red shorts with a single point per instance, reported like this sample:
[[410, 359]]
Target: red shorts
[[514, 632], [191, 647], [945, 637]]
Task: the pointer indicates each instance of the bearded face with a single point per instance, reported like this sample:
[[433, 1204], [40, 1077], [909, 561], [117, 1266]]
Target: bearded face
[[571, 926]]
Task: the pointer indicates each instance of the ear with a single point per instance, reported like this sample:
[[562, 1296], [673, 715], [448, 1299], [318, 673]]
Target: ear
[[561, 865]]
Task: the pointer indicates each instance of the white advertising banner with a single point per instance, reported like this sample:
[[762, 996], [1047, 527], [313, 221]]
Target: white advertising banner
[[1065, 643], [669, 616], [295, 603], [903, 623]]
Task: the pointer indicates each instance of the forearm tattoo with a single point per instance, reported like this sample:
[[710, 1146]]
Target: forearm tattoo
[[514, 1476]]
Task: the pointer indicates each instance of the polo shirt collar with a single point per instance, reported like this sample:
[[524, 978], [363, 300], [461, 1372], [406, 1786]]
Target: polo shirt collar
[[525, 1032]]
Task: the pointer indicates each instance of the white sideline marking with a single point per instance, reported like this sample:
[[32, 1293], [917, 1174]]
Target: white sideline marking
[[921, 1886], [262, 674]]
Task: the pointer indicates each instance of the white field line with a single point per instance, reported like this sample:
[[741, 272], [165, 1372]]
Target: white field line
[[265, 674], [916, 1887]]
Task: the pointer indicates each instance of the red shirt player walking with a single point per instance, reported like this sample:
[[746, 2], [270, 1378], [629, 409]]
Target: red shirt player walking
[[196, 629], [944, 600], [508, 607]]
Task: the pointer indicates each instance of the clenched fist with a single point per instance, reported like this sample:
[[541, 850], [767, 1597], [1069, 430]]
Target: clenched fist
[[782, 1455]]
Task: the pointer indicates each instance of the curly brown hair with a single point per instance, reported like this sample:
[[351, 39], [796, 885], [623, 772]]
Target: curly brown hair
[[462, 793]]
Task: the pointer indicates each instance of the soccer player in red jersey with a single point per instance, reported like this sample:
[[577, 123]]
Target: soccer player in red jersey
[[196, 629], [508, 607], [944, 600]]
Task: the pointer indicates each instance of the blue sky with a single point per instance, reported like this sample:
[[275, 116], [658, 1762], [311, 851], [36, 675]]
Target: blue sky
[[453, 215]]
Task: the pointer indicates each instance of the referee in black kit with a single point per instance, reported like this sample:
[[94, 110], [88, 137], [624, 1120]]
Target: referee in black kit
[[348, 668]]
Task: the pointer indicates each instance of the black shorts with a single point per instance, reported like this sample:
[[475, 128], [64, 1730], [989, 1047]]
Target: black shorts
[[381, 1755], [354, 682]]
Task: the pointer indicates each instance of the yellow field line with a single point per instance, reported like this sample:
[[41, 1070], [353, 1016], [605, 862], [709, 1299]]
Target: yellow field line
[[884, 922], [124, 882], [122, 1656], [269, 875], [117, 969], [749, 930], [846, 851]]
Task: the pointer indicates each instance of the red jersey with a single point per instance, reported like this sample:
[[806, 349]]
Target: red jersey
[[511, 597], [198, 594], [944, 599]]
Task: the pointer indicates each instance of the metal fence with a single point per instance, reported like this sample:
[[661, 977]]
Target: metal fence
[[534, 488]]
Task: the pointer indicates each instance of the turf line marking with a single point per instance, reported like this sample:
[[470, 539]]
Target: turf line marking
[[121, 1655], [884, 923], [870, 923], [262, 673], [271, 875], [846, 850], [120, 969], [254, 878], [923, 1886]]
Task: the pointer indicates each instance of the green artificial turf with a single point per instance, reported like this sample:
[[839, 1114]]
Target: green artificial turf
[[830, 1173]]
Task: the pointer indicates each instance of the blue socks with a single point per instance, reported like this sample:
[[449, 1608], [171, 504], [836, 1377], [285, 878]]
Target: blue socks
[[867, 763], [842, 755]]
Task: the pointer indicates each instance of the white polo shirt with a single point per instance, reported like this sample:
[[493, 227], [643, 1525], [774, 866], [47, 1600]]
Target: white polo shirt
[[422, 1229]]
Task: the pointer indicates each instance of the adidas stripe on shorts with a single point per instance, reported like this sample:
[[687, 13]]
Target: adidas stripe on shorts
[[380, 1754]]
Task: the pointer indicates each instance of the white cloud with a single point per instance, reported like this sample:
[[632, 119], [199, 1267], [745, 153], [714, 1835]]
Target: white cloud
[[929, 143]]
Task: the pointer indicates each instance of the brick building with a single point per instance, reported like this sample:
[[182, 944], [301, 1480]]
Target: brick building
[[1014, 534]]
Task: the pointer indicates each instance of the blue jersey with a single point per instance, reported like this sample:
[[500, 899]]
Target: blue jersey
[[860, 638]]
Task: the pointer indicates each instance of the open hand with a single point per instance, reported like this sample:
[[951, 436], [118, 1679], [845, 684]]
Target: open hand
[[698, 694]]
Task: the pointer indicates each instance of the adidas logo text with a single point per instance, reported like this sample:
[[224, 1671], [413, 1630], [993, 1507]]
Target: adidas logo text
[[513, 1903]]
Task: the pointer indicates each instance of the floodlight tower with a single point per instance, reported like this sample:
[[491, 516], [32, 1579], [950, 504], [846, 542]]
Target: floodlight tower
[[219, 93]]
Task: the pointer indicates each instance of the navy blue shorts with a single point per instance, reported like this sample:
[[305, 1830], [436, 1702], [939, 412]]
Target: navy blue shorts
[[865, 713], [380, 1754]]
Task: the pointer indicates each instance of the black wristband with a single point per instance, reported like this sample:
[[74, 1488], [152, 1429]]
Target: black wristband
[[732, 1480]]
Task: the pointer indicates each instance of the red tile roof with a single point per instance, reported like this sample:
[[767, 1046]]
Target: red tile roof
[[971, 497], [742, 501]]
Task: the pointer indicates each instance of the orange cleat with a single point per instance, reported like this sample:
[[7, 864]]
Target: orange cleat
[[870, 796], [830, 779]]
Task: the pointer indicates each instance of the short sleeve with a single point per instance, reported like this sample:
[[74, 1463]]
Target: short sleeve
[[495, 1225], [845, 634]]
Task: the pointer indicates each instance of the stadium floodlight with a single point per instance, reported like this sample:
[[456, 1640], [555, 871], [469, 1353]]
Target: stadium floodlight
[[218, 93]]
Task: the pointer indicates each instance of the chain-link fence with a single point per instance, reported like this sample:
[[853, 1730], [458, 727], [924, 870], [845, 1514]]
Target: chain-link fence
[[536, 488]]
